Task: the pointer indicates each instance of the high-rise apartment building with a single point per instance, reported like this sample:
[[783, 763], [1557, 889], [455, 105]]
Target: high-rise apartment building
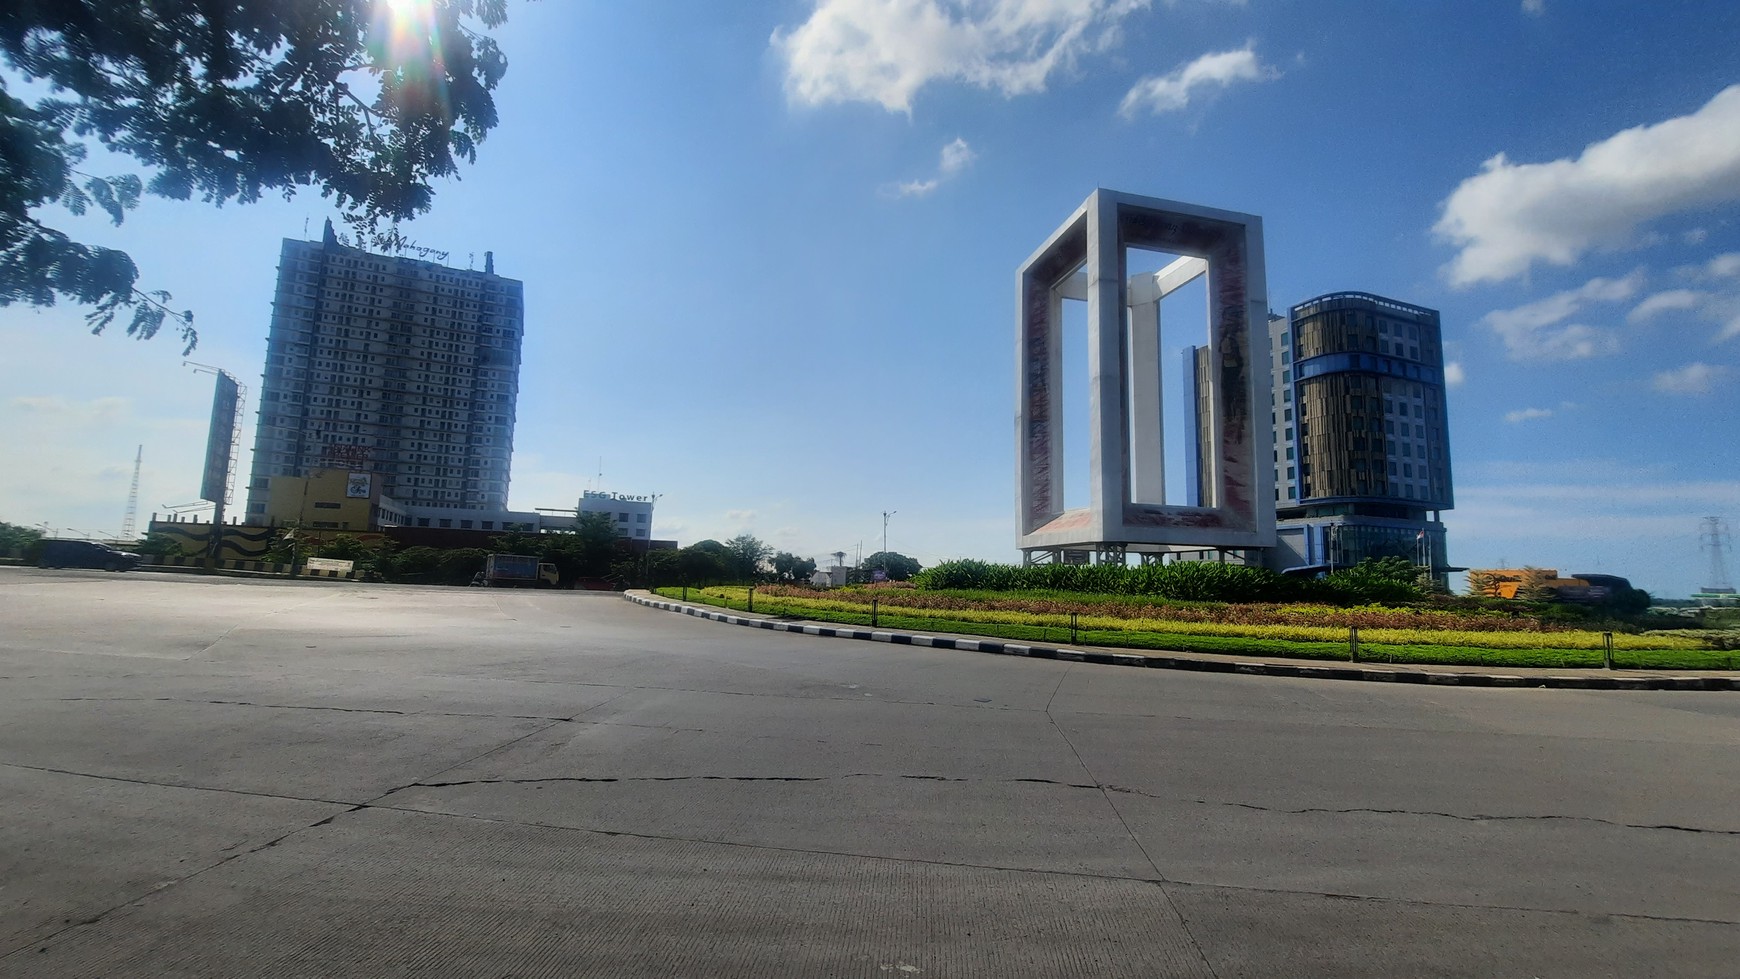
[[394, 366], [1362, 431]]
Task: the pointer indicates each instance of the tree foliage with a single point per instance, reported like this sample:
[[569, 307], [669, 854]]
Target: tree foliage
[[899, 566], [366, 101], [16, 537], [791, 569], [1482, 584], [586, 552], [702, 563], [1532, 585], [745, 554]]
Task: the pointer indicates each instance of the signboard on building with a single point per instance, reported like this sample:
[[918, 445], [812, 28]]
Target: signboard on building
[[220, 438], [357, 486], [329, 564]]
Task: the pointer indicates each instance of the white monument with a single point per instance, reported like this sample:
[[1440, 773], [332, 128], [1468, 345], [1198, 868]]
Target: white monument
[[1086, 258]]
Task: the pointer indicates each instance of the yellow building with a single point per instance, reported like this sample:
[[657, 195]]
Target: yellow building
[[1506, 582], [331, 499]]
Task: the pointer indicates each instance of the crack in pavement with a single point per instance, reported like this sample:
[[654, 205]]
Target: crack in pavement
[[1042, 871], [344, 710], [608, 779], [1091, 786], [1462, 817]]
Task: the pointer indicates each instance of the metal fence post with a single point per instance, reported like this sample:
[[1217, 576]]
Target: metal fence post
[[1353, 643], [752, 596], [1072, 621], [872, 613], [1607, 649]]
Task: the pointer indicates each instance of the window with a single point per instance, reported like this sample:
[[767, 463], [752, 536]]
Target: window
[[464, 525], [422, 521], [325, 506], [640, 518], [640, 533], [445, 522], [622, 518], [489, 525]]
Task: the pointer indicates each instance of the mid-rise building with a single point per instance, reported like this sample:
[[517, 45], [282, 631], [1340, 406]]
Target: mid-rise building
[[630, 515], [1362, 432], [402, 368]]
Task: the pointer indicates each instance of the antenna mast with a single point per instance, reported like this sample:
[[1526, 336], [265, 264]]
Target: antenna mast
[[132, 517]]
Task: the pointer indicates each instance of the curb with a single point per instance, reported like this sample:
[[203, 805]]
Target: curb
[[1373, 675]]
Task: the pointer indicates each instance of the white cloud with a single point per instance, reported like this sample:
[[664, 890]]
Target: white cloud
[[886, 51], [1535, 7], [1510, 216], [1719, 303], [1695, 378], [1538, 331], [1171, 92], [1662, 302], [956, 157], [1725, 266], [1454, 375], [107, 409], [1527, 414]]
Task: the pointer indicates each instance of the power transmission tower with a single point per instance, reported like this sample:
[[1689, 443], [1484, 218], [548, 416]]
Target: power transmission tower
[[1714, 538], [132, 516]]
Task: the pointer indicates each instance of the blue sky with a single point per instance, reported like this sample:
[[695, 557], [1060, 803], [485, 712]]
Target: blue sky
[[769, 255]]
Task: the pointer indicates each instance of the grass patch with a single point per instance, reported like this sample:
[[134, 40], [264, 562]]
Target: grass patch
[[1558, 649]]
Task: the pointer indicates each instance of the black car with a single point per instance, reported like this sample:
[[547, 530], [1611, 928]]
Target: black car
[[85, 554]]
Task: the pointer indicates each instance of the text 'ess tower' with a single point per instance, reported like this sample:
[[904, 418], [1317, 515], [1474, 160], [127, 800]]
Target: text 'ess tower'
[[403, 368]]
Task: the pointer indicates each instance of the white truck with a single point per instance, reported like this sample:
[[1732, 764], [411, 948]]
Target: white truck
[[518, 571]]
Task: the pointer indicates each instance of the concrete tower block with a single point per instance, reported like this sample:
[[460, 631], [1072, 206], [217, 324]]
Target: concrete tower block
[[1086, 258]]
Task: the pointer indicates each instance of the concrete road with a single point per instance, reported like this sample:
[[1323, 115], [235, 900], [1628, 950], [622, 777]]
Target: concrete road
[[217, 777]]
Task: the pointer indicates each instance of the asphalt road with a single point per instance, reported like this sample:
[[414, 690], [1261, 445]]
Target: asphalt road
[[212, 776]]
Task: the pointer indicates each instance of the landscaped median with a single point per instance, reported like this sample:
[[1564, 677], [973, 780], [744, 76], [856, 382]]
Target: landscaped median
[[1301, 631]]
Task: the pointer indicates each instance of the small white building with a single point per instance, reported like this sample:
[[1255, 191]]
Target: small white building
[[631, 515], [833, 577]]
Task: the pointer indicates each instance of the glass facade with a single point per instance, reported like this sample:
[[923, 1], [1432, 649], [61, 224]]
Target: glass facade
[[1368, 380]]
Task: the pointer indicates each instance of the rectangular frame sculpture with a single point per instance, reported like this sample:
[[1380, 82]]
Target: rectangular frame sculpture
[[1086, 258]]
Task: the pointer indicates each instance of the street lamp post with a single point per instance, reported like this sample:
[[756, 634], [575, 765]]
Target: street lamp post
[[885, 515]]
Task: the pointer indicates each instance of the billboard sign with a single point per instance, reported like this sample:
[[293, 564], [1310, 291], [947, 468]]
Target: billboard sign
[[219, 441], [356, 487]]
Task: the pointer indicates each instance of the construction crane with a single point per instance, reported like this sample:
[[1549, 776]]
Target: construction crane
[[132, 517]]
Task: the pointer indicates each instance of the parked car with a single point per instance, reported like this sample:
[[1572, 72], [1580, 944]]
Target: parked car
[[85, 554]]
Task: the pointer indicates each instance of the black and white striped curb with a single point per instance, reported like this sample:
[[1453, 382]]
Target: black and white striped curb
[[1369, 674]]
